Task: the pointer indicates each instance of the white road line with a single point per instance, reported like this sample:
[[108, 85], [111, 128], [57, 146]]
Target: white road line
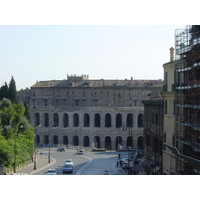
[[82, 168]]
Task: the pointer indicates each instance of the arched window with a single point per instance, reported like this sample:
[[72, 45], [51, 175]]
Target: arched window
[[37, 119], [86, 141], [65, 140], [46, 119], [140, 142], [129, 142], [108, 120], [76, 140], [65, 120], [55, 119], [140, 120], [86, 120], [55, 139], [108, 142], [118, 120], [97, 120], [76, 120], [97, 142], [129, 120]]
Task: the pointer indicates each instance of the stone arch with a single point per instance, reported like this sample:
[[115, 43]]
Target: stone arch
[[129, 142], [46, 119], [55, 119], [76, 120], [97, 120], [140, 120], [118, 142], [37, 119], [97, 142], [140, 142], [65, 120], [108, 120], [55, 140], [118, 120], [108, 142], [86, 120], [75, 140], [65, 140], [86, 141], [129, 120]]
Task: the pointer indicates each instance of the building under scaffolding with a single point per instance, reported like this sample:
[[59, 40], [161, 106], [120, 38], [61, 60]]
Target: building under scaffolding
[[187, 100]]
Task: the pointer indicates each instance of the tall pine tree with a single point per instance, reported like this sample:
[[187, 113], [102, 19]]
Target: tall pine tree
[[4, 91], [12, 92]]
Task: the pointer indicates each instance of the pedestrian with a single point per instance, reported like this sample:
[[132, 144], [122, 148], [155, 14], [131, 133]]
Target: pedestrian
[[106, 172], [41, 154], [117, 164]]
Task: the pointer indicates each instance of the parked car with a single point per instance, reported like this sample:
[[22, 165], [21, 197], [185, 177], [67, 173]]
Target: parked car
[[51, 172], [69, 161], [79, 152], [60, 149], [125, 165], [68, 168]]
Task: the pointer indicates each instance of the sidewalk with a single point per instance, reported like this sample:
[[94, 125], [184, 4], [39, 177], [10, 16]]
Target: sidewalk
[[41, 162]]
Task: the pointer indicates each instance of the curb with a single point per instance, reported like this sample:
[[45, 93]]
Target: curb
[[41, 168]]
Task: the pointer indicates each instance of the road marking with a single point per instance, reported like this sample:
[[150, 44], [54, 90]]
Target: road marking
[[82, 168]]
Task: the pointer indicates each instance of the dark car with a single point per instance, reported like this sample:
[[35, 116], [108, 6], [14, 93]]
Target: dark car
[[68, 168], [60, 149]]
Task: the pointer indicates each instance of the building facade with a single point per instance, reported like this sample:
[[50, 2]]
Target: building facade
[[95, 113], [169, 161], [153, 134]]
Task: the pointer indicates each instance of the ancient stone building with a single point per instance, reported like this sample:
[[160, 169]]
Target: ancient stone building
[[95, 113]]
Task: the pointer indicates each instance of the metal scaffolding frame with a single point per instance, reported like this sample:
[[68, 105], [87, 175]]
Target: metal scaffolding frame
[[187, 109]]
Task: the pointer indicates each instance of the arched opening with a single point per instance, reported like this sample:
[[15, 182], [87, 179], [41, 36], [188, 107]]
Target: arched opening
[[86, 141], [65, 140], [129, 120], [129, 142], [119, 142], [76, 140], [37, 140], [55, 119], [108, 120], [140, 142], [37, 119], [76, 120], [55, 140], [118, 120], [108, 142], [46, 140], [46, 119], [86, 120], [97, 120], [65, 120], [140, 120], [97, 142]]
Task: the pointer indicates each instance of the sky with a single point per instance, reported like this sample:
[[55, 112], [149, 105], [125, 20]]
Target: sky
[[33, 53]]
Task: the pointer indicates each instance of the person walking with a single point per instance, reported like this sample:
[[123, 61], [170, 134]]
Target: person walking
[[106, 172]]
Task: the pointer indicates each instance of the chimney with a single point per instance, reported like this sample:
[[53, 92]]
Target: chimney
[[171, 54]]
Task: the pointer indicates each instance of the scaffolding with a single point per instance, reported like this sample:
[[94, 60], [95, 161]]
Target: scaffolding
[[187, 96]]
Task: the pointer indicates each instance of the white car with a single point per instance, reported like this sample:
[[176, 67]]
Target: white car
[[51, 172], [79, 152], [69, 161]]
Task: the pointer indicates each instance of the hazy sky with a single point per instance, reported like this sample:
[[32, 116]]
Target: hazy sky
[[30, 53]]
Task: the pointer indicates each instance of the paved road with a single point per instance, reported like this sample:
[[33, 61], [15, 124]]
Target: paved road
[[91, 163]]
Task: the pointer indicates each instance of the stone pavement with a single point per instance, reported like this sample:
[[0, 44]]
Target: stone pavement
[[41, 163]]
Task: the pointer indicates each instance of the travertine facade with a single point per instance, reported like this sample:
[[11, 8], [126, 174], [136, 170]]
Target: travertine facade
[[95, 113]]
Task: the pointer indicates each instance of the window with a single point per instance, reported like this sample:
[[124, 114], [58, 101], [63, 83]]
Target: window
[[37, 119], [65, 120], [165, 106], [135, 103], [140, 120], [57, 102], [45, 102], [46, 119], [56, 119], [118, 120], [108, 120], [129, 120], [76, 102], [95, 102], [97, 120], [86, 120], [76, 120]]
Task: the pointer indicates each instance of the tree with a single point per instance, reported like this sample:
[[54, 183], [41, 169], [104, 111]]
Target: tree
[[12, 92], [4, 91]]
